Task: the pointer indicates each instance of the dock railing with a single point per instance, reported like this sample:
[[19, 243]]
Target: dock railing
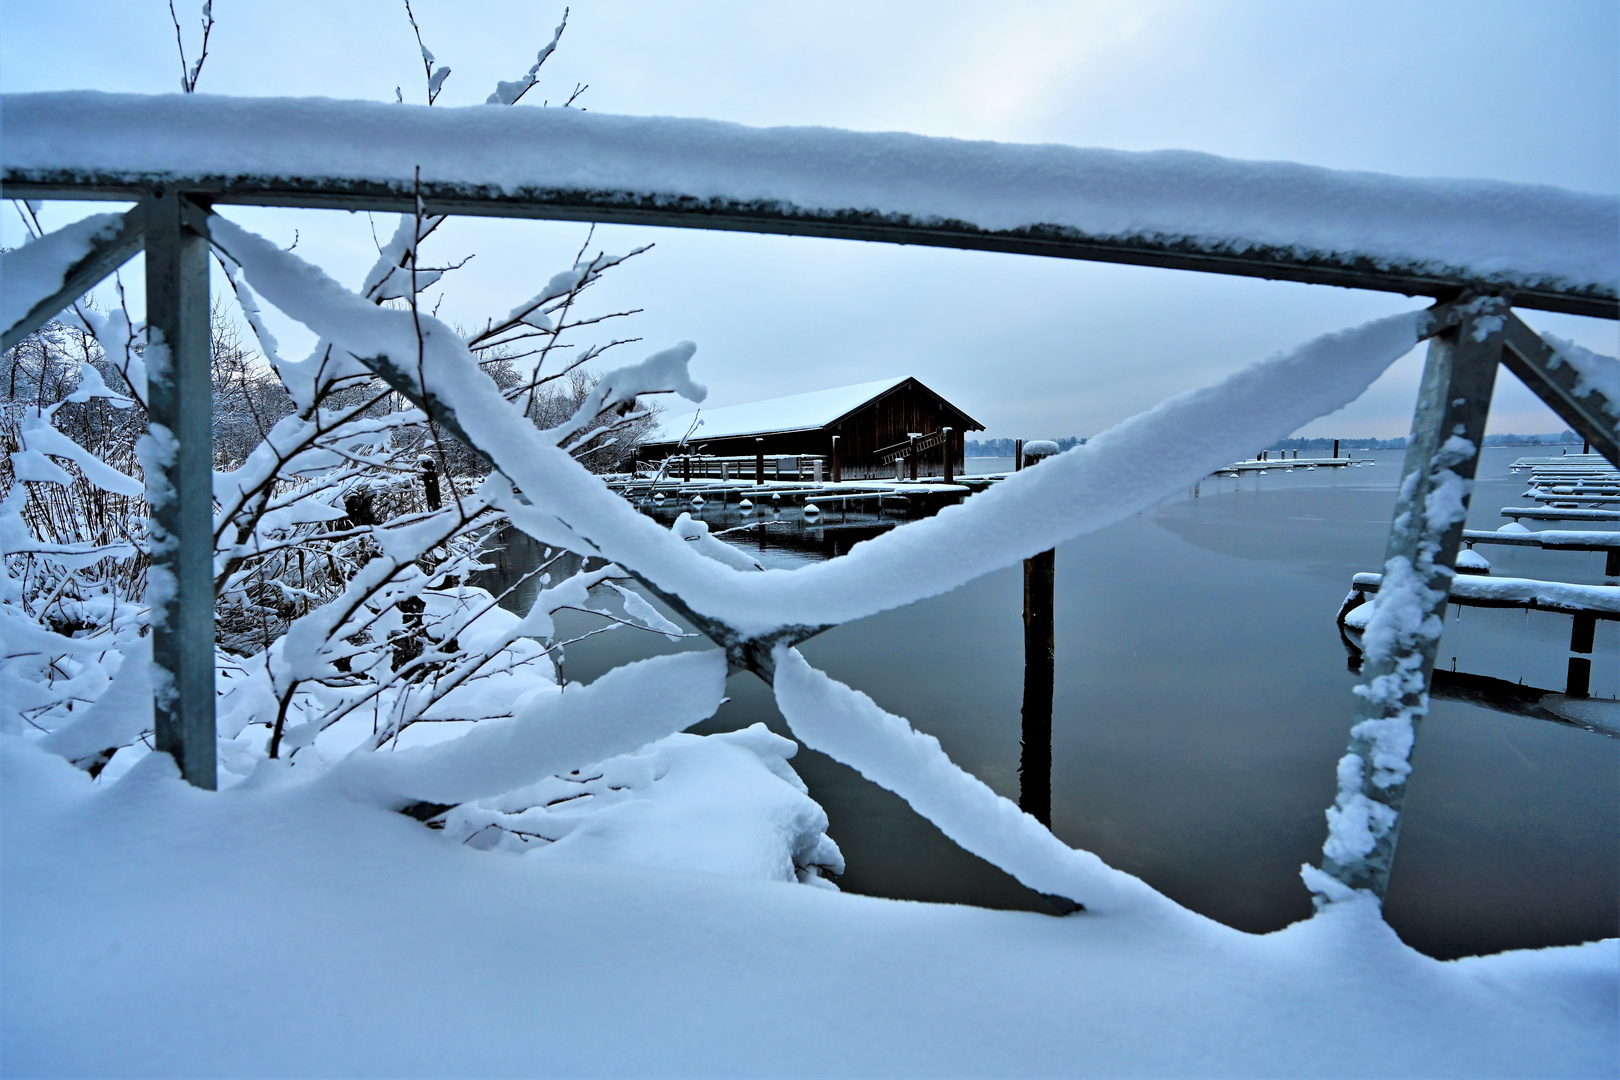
[[758, 619]]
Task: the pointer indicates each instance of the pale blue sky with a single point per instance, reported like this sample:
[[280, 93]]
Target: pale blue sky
[[1527, 92]]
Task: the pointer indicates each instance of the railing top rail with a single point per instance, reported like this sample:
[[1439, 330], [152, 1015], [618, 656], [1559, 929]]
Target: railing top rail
[[1548, 248]]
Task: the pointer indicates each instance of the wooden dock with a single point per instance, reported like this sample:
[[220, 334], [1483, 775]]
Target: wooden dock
[[1265, 462], [912, 498]]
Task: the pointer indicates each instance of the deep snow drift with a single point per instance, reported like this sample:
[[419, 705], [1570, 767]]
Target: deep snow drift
[[278, 928]]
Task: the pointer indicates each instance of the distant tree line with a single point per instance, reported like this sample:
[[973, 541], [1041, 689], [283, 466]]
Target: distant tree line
[[1564, 438], [1005, 448]]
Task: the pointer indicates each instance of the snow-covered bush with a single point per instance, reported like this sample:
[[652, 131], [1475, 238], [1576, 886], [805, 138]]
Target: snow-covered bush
[[348, 529]]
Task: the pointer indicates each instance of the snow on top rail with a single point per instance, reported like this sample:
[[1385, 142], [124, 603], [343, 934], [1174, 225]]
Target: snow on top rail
[[1553, 248]]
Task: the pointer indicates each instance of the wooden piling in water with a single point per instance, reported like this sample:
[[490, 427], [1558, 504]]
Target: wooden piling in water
[[1335, 447], [1040, 664]]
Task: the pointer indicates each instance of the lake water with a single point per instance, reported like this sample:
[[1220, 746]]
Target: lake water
[[1201, 701]]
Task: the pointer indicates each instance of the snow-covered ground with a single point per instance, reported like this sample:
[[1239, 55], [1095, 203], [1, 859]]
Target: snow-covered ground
[[280, 928]]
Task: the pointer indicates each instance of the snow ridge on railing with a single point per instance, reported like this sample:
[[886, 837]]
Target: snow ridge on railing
[[564, 505]]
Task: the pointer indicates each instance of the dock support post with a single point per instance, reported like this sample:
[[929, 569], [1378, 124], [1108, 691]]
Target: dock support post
[[177, 455], [430, 482], [1018, 455], [950, 458], [1448, 429], [1040, 665], [1335, 448], [837, 463], [759, 461], [911, 456]]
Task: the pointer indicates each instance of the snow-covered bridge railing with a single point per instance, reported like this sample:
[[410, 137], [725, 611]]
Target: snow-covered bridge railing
[[1480, 248], [1546, 248]]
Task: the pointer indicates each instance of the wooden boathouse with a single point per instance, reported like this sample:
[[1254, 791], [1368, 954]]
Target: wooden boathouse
[[861, 430]]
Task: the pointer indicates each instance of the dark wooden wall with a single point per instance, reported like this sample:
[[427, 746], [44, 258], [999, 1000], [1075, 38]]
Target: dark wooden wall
[[880, 424]]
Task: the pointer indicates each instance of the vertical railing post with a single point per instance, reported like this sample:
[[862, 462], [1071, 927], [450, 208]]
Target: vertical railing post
[[1403, 632], [177, 455]]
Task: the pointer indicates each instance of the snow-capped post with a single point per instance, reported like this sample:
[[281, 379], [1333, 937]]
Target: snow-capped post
[[911, 454], [177, 456], [837, 464], [1040, 665], [950, 458], [1403, 632], [430, 482]]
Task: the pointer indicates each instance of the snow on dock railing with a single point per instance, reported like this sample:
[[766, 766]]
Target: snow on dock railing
[[1551, 248], [1602, 601], [1496, 244]]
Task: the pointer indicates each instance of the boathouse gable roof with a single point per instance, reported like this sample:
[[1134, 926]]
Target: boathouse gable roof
[[796, 412]]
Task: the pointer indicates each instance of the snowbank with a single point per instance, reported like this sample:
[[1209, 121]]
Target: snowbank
[[149, 928], [1169, 200]]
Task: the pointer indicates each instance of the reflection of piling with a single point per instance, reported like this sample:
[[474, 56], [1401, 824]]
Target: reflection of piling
[[1040, 663], [1581, 636]]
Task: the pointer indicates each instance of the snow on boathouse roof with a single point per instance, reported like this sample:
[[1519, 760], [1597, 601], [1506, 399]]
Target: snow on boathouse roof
[[796, 412], [1169, 208]]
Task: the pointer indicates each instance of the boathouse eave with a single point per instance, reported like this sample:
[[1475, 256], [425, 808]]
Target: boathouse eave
[[969, 425]]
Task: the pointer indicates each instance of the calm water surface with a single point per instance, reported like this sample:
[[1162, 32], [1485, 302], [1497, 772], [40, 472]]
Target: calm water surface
[[1202, 699]]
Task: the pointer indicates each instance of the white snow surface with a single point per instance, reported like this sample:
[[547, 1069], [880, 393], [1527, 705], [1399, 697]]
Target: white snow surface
[[278, 928], [795, 412], [1478, 229], [1604, 598], [37, 269]]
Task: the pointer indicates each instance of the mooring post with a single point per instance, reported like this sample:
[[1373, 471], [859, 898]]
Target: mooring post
[[177, 456], [837, 463], [1448, 429], [950, 458], [759, 462], [1335, 448], [911, 454], [430, 482], [1018, 455], [1040, 666]]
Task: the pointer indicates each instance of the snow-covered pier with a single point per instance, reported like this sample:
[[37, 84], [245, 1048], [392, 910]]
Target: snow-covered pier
[[1559, 513], [1266, 462]]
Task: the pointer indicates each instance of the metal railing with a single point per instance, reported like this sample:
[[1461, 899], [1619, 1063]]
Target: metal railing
[[1474, 330]]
